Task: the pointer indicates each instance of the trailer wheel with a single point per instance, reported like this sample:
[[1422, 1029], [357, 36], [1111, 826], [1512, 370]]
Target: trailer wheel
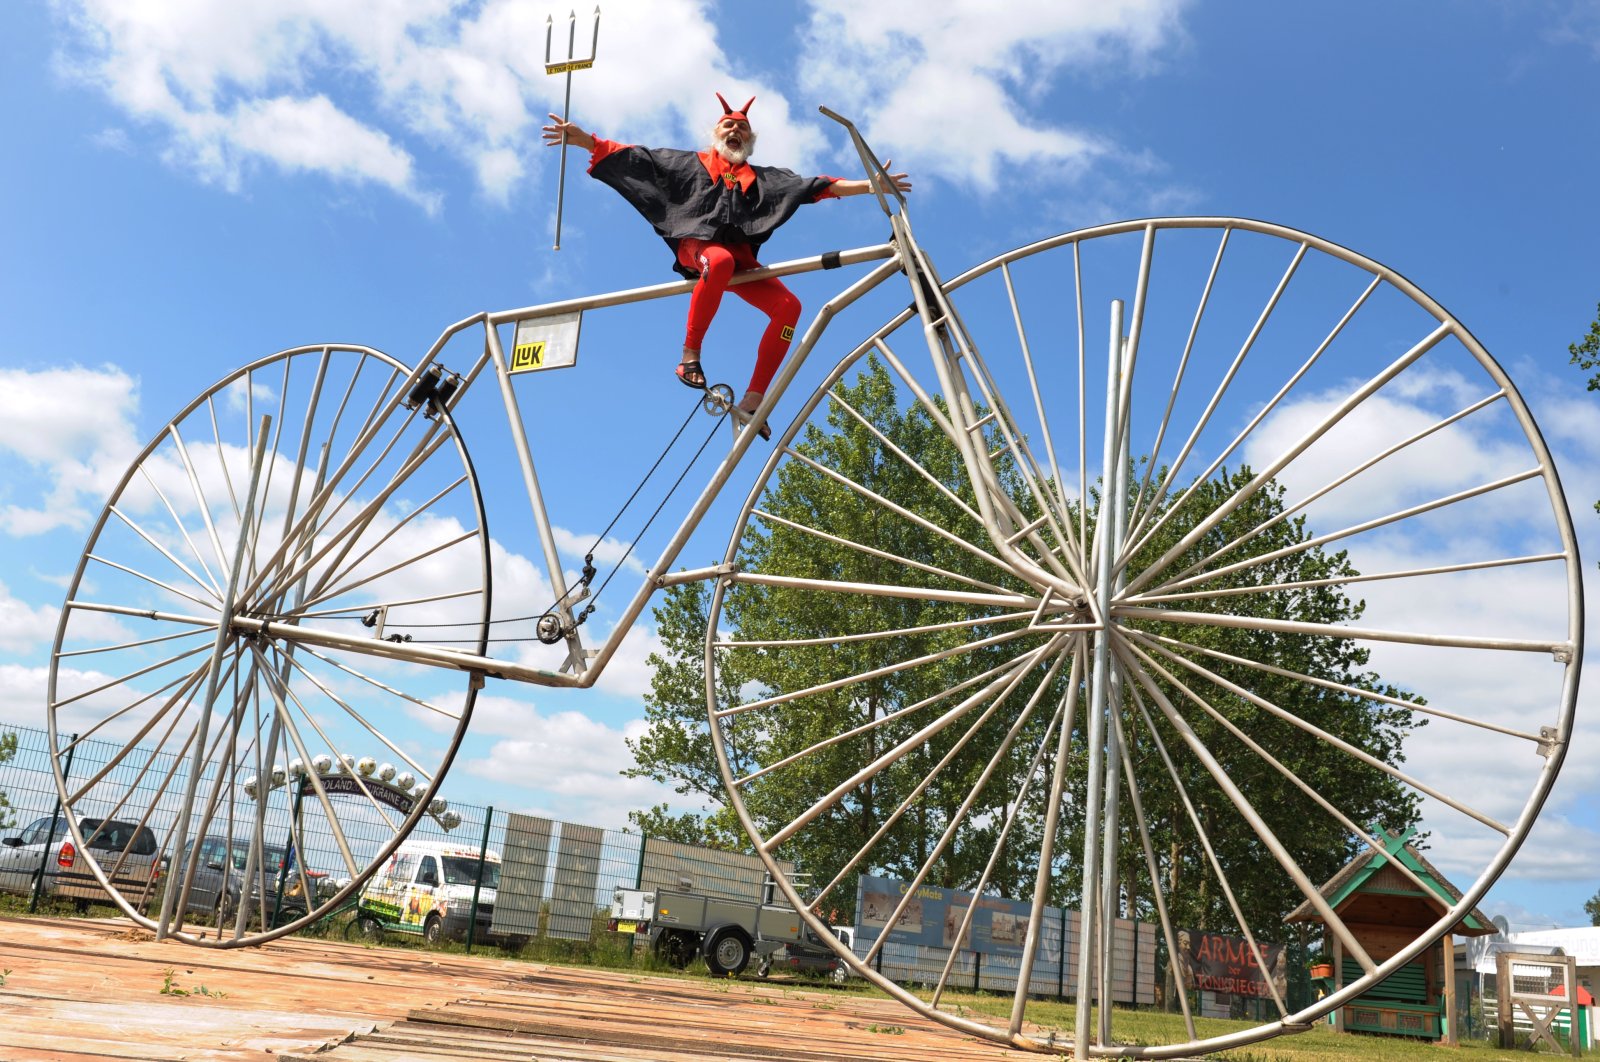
[[674, 948], [727, 951]]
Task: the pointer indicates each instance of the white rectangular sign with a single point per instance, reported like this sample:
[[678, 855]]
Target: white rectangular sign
[[546, 342]]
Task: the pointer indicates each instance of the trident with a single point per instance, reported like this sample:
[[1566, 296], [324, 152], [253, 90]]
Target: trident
[[567, 68]]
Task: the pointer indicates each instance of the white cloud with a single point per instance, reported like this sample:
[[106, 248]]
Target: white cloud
[[74, 427], [566, 763], [363, 93], [23, 627], [358, 92], [951, 84]]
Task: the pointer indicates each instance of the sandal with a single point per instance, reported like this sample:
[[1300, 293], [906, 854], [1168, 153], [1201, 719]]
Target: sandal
[[691, 375]]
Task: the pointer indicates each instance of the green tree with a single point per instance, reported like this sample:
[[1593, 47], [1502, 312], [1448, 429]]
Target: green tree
[[887, 708], [687, 828], [1591, 907], [8, 749], [1586, 356]]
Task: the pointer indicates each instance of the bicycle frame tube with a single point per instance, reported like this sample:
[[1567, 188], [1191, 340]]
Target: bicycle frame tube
[[583, 668]]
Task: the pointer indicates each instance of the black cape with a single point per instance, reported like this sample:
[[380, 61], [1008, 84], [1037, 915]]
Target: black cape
[[675, 193]]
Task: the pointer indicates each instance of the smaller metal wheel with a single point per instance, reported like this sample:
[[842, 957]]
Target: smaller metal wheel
[[433, 931], [268, 592]]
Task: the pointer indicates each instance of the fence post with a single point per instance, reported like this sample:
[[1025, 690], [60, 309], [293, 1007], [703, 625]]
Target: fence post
[[292, 854], [638, 875], [483, 857], [1061, 959], [977, 968], [1136, 964], [50, 834]]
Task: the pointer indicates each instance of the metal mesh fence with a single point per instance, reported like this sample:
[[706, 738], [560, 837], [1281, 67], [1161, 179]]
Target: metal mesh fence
[[558, 877]]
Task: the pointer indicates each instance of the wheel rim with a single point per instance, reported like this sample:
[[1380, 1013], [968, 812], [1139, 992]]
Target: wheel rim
[[894, 644], [362, 510], [729, 953]]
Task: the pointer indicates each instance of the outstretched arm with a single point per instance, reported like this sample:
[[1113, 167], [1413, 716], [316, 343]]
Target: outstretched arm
[[574, 135], [842, 188]]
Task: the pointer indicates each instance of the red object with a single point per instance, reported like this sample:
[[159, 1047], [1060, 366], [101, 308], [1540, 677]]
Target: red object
[[740, 115], [1584, 998], [716, 263], [68, 856]]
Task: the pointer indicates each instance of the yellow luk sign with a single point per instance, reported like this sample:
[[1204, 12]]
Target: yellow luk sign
[[549, 342], [526, 357]]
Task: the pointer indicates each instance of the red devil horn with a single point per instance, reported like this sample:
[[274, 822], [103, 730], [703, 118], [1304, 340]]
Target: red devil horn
[[725, 108], [746, 108]]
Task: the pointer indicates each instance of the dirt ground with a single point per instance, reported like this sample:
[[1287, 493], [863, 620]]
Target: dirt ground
[[79, 989]]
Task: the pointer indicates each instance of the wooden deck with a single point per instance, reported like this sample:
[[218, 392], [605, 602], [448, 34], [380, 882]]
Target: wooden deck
[[92, 989]]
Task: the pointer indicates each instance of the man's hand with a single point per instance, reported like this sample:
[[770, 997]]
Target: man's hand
[[575, 136], [902, 183]]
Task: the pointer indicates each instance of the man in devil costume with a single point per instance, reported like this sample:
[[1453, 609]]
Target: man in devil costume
[[715, 210]]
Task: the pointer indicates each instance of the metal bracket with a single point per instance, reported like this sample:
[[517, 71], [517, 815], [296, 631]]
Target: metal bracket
[[1549, 741], [1562, 654], [435, 387]]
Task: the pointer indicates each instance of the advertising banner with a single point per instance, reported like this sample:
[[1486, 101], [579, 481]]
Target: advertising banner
[[1226, 965]]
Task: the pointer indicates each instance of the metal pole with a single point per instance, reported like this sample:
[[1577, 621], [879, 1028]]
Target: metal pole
[[483, 856], [213, 678], [1115, 494], [566, 109], [1098, 687], [50, 834]]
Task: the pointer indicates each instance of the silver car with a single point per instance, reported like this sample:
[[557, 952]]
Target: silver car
[[218, 865], [126, 851]]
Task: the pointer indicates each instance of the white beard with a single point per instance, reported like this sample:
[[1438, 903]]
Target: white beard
[[735, 156]]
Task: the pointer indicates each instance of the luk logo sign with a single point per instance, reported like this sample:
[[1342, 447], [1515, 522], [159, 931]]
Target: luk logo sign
[[525, 356]]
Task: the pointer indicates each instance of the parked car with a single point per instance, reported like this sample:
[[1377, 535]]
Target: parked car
[[125, 850], [810, 956], [219, 863]]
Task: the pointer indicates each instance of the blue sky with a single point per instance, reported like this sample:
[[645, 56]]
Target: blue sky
[[183, 191]]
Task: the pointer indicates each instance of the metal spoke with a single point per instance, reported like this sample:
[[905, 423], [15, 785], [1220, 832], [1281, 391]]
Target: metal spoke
[[1247, 810], [1154, 597], [960, 814], [1205, 841], [1136, 801], [1334, 740], [974, 789], [1318, 541], [1267, 474], [1137, 508], [1334, 630], [879, 553], [870, 636], [1222, 388], [874, 724], [999, 689], [879, 672], [1339, 687]]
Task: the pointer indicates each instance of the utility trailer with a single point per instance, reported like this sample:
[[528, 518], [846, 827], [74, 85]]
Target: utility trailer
[[728, 933]]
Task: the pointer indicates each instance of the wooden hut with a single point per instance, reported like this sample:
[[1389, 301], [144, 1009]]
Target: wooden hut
[[1384, 910]]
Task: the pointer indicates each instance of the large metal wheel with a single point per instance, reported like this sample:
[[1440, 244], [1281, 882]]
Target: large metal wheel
[[1342, 599], [241, 638]]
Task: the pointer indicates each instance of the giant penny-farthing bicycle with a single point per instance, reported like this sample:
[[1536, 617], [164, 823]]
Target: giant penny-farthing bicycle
[[1107, 575]]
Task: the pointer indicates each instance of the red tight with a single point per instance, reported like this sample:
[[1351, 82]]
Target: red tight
[[717, 263]]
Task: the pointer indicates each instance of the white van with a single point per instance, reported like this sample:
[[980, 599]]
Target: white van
[[427, 887]]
